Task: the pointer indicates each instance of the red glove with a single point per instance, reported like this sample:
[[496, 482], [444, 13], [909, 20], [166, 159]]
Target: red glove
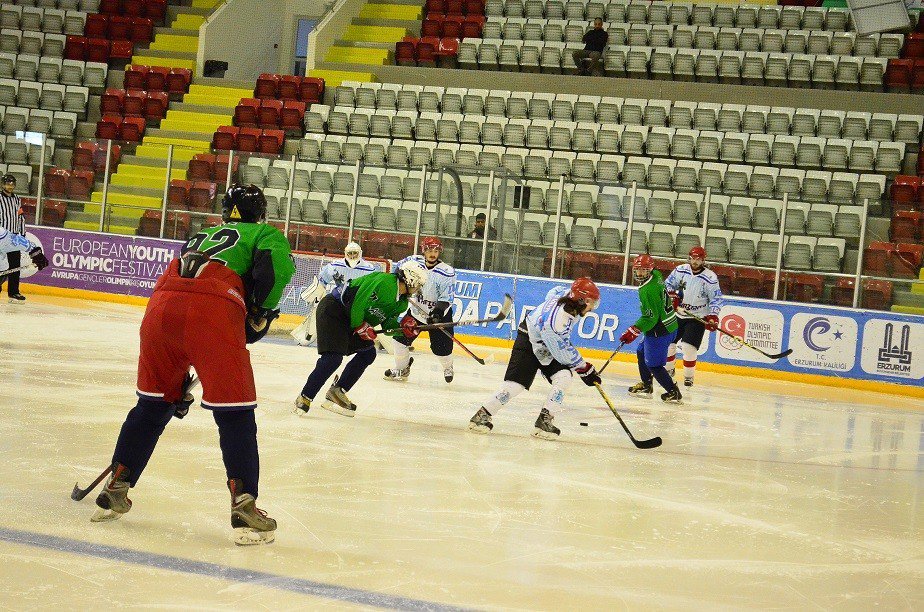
[[409, 326], [675, 299], [629, 336], [365, 332], [712, 322]]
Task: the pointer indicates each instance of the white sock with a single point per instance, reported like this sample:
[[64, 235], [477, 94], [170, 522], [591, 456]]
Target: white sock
[[507, 392], [556, 397], [671, 358], [689, 359], [445, 361], [402, 356]]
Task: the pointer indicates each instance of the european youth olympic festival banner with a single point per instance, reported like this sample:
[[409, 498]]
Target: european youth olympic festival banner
[[867, 345]]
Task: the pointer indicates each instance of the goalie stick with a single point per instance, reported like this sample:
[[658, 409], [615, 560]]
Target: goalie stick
[[652, 443], [421, 309], [744, 342], [78, 494]]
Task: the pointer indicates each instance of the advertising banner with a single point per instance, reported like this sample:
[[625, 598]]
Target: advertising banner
[[858, 344]]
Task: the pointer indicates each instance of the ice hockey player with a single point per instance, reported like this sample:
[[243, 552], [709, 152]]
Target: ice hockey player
[[332, 274], [694, 289], [543, 343], [659, 324], [10, 242], [434, 306], [345, 321], [220, 295]]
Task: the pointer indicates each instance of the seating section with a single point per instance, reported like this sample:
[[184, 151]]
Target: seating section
[[286, 115], [309, 90], [46, 96], [150, 105], [97, 49], [896, 260], [174, 81], [119, 27], [248, 140], [118, 127]]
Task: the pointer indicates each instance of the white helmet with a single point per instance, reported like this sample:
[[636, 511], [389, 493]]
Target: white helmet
[[414, 275], [352, 253]]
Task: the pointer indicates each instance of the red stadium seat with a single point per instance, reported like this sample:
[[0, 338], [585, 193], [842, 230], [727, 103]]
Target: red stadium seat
[[80, 185], [142, 30], [907, 260], [332, 239], [121, 49], [267, 85], [431, 27], [452, 28], [435, 6], [269, 113], [906, 226], [804, 287], [56, 182], [75, 48], [120, 28], [311, 90], [246, 112], [753, 283], [133, 8], [471, 27], [399, 246], [376, 244], [178, 194], [96, 26], [156, 10], [917, 84], [248, 140], [178, 80], [426, 51], [202, 196], [134, 103], [110, 7], [201, 167], [156, 105], [405, 53], [270, 141], [107, 128], [842, 292], [157, 78], [582, 264], [221, 167], [288, 87], [727, 275], [82, 157], [98, 50], [905, 189], [454, 7], [136, 76], [609, 268], [877, 294], [876, 258], [293, 114], [914, 46], [112, 102], [898, 75], [225, 138], [132, 129]]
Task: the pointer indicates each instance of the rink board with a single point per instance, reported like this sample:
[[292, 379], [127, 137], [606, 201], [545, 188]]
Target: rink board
[[828, 341]]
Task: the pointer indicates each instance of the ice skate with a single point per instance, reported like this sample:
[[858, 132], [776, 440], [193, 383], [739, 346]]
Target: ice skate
[[640, 389], [336, 400], [481, 422], [302, 405], [448, 374], [113, 500], [545, 426], [688, 382], [16, 298], [673, 396], [399, 375], [250, 524]]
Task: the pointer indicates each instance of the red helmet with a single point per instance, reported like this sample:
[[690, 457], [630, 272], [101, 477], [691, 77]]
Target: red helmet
[[431, 243], [698, 252], [586, 291], [642, 262]]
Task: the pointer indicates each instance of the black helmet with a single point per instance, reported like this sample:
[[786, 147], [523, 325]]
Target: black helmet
[[9, 178], [243, 203]]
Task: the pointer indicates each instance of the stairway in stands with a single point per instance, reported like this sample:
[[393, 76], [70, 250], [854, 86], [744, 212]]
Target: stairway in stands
[[188, 126]]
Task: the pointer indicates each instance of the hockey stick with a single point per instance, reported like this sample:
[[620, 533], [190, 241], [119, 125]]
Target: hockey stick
[[77, 494], [742, 340], [500, 316], [610, 358], [13, 270], [452, 337], [652, 443]]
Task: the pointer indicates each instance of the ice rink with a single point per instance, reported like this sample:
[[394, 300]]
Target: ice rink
[[765, 494]]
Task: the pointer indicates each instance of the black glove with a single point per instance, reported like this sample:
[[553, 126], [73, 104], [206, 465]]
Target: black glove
[[38, 258], [438, 312], [589, 374], [181, 406], [258, 323]]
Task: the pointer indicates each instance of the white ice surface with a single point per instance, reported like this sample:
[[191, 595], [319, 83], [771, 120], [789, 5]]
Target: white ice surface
[[765, 495]]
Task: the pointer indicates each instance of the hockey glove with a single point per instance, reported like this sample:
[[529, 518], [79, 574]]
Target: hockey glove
[[181, 406], [629, 336], [258, 322], [436, 315], [38, 258], [712, 322], [365, 332], [589, 374], [409, 326], [675, 299]]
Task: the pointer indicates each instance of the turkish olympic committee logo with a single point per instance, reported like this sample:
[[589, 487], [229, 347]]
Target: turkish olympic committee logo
[[890, 348], [823, 342], [760, 327]]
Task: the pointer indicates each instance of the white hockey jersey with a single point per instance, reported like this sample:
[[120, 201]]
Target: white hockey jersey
[[10, 242], [339, 272], [699, 292], [441, 287], [549, 328]]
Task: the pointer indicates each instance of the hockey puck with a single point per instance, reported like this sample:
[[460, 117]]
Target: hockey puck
[[583, 424]]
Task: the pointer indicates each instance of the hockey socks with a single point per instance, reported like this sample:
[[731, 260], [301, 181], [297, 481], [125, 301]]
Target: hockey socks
[[325, 367], [502, 397], [659, 373], [139, 434], [237, 436], [355, 368]]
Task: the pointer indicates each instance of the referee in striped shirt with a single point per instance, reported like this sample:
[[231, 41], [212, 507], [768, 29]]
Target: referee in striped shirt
[[12, 220]]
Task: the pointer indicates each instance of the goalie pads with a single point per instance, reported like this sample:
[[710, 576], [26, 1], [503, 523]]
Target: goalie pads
[[307, 330]]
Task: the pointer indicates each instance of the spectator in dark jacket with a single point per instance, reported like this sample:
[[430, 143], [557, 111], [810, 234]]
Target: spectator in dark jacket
[[594, 44]]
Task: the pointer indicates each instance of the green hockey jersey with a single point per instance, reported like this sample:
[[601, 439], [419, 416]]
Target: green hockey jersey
[[374, 299], [658, 317], [257, 252]]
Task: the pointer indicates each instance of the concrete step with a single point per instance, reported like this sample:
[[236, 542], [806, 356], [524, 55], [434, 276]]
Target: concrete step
[[137, 160], [199, 108], [111, 228], [201, 80], [904, 297], [169, 54], [181, 135], [363, 44]]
